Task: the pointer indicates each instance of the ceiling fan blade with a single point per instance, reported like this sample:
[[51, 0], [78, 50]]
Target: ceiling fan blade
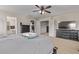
[[37, 6], [48, 7], [47, 11], [36, 10]]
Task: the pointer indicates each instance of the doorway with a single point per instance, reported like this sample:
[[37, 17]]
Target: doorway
[[44, 27]]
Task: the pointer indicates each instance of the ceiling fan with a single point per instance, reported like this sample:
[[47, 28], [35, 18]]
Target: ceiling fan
[[42, 9]]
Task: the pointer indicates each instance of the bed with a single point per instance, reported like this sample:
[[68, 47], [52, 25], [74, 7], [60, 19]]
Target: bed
[[18, 44]]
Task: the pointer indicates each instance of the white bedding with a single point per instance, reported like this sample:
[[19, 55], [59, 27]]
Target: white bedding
[[30, 35], [17, 44]]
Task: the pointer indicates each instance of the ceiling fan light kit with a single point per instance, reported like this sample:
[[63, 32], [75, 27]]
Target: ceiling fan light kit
[[42, 12]]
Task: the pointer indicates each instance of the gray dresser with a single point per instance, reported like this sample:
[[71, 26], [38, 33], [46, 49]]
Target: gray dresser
[[68, 34]]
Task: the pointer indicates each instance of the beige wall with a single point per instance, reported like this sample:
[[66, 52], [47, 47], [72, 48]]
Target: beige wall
[[11, 21], [72, 16], [25, 20], [2, 25], [44, 25], [3, 18], [5, 13]]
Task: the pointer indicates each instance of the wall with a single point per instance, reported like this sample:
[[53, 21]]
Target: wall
[[3, 26], [52, 27], [44, 24], [5, 13], [25, 20], [11, 21], [74, 16], [37, 27]]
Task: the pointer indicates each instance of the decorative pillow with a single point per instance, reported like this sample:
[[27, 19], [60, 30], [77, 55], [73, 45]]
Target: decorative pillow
[[30, 35]]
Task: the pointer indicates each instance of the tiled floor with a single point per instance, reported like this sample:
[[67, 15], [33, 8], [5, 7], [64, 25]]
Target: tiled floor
[[66, 46]]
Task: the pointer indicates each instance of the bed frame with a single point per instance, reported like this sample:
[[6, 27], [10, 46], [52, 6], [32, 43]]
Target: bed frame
[[24, 28]]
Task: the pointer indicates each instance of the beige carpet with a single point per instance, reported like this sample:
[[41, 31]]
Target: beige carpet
[[66, 46]]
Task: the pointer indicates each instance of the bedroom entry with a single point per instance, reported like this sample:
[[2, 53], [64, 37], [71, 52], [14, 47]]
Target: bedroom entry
[[44, 27]]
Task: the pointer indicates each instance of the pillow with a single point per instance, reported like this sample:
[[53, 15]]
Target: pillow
[[30, 35]]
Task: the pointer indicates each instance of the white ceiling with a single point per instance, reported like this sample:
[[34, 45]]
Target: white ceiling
[[27, 9]]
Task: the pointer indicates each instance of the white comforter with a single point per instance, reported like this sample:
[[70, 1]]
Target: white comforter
[[17, 44]]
